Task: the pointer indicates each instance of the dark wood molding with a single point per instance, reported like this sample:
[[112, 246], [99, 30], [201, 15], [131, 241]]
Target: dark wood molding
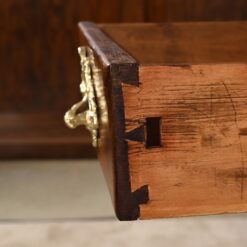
[[107, 50], [45, 134], [120, 68]]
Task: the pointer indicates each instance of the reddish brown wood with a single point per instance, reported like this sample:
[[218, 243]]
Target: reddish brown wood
[[199, 95], [200, 167], [39, 66], [182, 43], [195, 10], [44, 135], [118, 67]]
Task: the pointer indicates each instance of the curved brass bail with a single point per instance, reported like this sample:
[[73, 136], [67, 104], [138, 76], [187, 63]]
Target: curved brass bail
[[73, 118], [85, 111]]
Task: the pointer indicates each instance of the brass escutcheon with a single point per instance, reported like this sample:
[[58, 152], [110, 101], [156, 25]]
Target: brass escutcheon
[[85, 112]]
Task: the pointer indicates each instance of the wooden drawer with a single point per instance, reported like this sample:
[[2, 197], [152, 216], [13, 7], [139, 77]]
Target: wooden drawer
[[172, 137]]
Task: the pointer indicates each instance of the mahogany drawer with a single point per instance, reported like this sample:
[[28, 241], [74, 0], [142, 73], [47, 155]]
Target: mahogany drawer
[[171, 115]]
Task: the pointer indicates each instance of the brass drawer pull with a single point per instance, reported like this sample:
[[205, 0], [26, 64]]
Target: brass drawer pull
[[85, 112]]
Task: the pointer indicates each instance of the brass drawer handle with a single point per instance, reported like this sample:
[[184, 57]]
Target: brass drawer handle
[[85, 112]]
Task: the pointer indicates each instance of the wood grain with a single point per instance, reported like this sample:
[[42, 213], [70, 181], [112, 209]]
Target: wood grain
[[39, 66], [117, 67], [198, 89], [182, 43], [201, 166], [199, 97], [44, 135], [194, 10]]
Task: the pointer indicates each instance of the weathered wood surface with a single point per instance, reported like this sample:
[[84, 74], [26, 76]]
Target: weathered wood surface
[[198, 166], [117, 67], [201, 166], [201, 97], [182, 43]]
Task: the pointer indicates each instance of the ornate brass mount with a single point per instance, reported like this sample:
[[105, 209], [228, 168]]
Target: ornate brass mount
[[85, 112]]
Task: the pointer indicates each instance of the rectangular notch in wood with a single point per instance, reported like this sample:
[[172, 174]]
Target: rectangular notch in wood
[[152, 132]]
